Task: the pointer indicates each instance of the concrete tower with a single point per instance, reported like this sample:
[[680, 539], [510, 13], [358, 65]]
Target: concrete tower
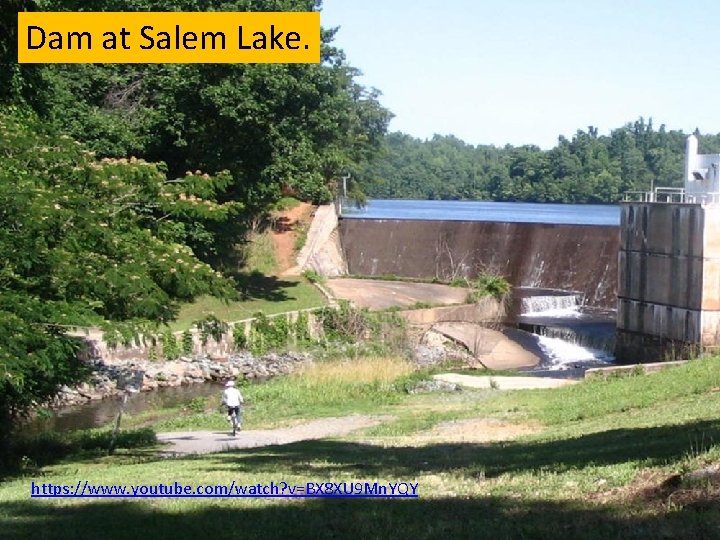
[[669, 265]]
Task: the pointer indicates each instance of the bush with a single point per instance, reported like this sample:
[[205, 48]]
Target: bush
[[313, 276], [492, 285], [239, 338], [187, 343], [348, 324], [302, 330], [459, 282], [269, 334], [171, 348], [212, 327], [197, 404]]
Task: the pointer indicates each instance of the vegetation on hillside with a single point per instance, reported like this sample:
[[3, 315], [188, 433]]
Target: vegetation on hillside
[[121, 184]]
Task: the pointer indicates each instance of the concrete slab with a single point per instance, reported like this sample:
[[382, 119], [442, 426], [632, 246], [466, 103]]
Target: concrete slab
[[494, 349], [503, 383], [378, 294]]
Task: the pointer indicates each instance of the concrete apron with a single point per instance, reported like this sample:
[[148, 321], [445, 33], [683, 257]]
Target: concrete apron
[[503, 383]]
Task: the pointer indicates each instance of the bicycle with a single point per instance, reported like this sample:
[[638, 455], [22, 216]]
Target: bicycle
[[234, 418]]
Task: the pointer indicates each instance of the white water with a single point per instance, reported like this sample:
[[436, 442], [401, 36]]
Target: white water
[[561, 354], [557, 313], [551, 305]]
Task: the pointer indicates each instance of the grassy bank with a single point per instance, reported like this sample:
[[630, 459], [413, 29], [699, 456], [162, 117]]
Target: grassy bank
[[268, 294], [601, 459]]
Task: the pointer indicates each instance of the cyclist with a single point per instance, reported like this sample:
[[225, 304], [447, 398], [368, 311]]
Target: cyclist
[[232, 399]]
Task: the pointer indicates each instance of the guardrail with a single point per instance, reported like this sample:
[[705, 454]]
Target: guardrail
[[671, 195]]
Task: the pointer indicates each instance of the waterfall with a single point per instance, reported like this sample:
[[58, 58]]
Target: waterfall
[[547, 305], [568, 335], [562, 354], [593, 336]]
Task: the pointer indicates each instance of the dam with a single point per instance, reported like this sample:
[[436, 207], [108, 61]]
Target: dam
[[659, 268], [568, 256]]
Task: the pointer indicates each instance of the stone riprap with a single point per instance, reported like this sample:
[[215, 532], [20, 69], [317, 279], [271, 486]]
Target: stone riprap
[[110, 380]]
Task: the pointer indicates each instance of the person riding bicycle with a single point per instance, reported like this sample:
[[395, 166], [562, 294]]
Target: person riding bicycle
[[232, 399]]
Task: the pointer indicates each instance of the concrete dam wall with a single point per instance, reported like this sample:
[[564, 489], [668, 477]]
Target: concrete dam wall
[[580, 258]]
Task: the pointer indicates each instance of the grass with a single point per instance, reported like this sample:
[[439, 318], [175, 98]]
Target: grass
[[260, 253], [262, 293], [603, 460], [331, 388], [259, 288]]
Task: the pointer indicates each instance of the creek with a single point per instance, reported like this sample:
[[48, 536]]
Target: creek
[[103, 412]]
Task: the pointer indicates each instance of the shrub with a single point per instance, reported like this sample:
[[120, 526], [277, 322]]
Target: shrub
[[171, 348], [187, 342], [269, 334], [302, 329], [348, 324], [313, 276], [492, 285], [459, 282], [211, 327], [239, 337], [197, 404]]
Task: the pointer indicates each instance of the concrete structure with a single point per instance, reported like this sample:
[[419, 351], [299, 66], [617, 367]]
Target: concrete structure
[[669, 266], [702, 174], [322, 251], [579, 258]]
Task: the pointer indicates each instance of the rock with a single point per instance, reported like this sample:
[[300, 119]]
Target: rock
[[422, 387], [110, 380]]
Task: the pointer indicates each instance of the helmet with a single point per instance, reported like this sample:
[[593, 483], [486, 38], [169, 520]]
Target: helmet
[[229, 384]]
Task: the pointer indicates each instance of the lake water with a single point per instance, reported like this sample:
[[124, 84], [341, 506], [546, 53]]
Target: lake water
[[570, 214]]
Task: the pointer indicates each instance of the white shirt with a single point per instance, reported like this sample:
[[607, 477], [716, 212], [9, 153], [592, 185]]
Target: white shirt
[[231, 397]]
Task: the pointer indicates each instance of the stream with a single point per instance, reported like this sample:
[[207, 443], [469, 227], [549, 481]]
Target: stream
[[102, 412]]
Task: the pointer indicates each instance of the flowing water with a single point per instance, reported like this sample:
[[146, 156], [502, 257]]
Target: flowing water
[[571, 337]]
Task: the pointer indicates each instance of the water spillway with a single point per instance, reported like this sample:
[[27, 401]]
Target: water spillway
[[580, 258]]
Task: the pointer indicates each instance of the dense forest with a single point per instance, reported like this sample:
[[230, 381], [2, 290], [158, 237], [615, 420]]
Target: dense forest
[[124, 189], [589, 168]]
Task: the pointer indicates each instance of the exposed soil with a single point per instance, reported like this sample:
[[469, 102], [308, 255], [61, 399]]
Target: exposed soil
[[285, 229]]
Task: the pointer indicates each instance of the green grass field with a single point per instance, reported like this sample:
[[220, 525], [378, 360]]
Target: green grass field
[[268, 294], [601, 459]]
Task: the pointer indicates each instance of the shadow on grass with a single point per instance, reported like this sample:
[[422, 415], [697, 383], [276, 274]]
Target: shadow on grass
[[258, 286], [653, 446], [487, 517]]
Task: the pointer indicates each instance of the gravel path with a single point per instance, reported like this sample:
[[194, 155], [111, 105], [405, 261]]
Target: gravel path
[[205, 442]]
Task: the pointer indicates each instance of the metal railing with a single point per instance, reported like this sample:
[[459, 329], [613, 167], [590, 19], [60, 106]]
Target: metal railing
[[671, 195]]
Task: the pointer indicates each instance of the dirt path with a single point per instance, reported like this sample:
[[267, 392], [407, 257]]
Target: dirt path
[[206, 442], [284, 233]]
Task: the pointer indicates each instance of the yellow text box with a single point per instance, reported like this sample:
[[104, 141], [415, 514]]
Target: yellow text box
[[178, 38]]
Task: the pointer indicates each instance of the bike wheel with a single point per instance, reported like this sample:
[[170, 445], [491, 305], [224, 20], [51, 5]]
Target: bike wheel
[[233, 420]]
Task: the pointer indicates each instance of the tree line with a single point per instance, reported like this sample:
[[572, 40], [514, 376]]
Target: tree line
[[587, 168]]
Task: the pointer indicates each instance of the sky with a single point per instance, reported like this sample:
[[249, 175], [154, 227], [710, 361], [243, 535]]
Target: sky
[[526, 71]]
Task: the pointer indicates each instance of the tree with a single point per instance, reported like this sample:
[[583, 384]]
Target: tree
[[79, 246], [274, 127]]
